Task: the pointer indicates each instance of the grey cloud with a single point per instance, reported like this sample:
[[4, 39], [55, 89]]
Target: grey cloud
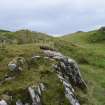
[[54, 17]]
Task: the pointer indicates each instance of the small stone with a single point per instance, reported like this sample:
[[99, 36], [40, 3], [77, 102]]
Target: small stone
[[3, 102], [18, 102]]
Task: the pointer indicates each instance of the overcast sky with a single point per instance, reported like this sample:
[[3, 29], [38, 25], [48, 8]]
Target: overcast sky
[[52, 16]]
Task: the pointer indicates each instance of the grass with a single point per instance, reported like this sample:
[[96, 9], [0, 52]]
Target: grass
[[89, 54], [41, 71]]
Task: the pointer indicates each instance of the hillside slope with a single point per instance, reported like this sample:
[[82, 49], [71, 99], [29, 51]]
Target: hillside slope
[[40, 71], [23, 36], [80, 46], [89, 50]]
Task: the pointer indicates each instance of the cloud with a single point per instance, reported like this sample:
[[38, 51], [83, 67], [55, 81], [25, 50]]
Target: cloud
[[52, 16]]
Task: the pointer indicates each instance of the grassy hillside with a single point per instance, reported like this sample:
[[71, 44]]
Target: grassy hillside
[[41, 71], [87, 48], [23, 37], [25, 43]]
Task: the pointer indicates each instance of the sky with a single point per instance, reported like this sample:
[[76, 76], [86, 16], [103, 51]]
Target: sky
[[55, 17]]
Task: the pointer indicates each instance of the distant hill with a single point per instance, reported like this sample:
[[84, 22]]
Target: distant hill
[[23, 36], [94, 36], [4, 30]]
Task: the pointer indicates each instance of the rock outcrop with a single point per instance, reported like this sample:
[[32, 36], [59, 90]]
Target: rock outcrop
[[36, 94], [66, 69], [16, 64], [69, 74]]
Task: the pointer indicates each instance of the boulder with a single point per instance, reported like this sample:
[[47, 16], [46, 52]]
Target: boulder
[[52, 54], [16, 64], [34, 96], [69, 68], [12, 66]]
